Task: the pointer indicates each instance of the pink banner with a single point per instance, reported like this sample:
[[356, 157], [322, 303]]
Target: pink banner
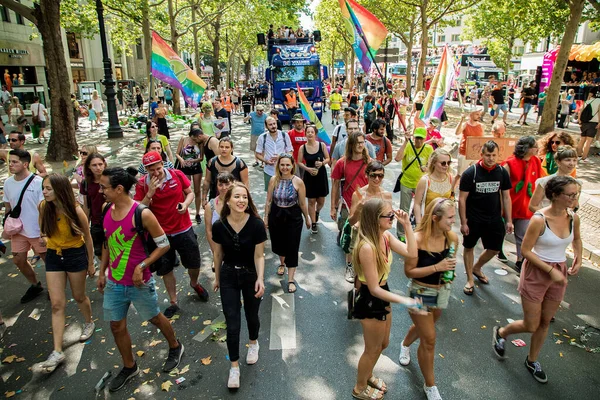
[[548, 68]]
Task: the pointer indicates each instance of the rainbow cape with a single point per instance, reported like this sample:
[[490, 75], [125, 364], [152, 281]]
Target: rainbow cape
[[309, 114], [368, 32], [169, 68], [440, 86]]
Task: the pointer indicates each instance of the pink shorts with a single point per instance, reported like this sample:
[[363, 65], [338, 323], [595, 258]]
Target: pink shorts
[[536, 286], [22, 244]]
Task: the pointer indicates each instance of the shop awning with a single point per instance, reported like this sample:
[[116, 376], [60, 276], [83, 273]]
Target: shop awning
[[487, 64]]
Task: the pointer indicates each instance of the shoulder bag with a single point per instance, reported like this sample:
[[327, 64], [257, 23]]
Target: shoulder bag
[[397, 185], [12, 223]]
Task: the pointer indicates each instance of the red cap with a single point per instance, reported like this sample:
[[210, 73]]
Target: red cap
[[151, 157]]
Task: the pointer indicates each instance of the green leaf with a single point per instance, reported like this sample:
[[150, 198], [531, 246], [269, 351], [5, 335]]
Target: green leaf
[[218, 325]]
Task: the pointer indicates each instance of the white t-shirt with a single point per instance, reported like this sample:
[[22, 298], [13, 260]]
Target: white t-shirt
[[161, 92], [97, 105], [271, 148], [29, 205], [37, 109]]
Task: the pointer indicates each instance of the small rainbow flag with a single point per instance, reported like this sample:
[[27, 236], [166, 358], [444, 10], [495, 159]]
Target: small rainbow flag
[[309, 114], [368, 32], [440, 86], [169, 68]]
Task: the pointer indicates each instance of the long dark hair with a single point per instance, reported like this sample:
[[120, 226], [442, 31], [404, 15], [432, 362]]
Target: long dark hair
[[148, 129], [251, 209], [88, 174], [65, 201], [163, 155]]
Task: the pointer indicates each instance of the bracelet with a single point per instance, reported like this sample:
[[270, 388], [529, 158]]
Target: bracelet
[[550, 270]]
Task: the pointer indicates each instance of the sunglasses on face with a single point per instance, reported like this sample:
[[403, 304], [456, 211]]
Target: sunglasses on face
[[376, 176], [444, 163], [83, 153], [390, 216], [13, 140], [555, 142]]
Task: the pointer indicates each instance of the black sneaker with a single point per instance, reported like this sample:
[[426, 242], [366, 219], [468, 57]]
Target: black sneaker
[[198, 218], [201, 292], [171, 310], [124, 376], [174, 358], [317, 216], [498, 342], [313, 229], [256, 164], [31, 293], [502, 257], [525, 123], [536, 370]]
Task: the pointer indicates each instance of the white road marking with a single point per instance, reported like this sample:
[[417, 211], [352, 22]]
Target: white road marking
[[283, 322], [207, 331]]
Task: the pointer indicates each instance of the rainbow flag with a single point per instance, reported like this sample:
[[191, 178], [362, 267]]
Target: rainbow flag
[[169, 68], [309, 114], [368, 32], [440, 86]]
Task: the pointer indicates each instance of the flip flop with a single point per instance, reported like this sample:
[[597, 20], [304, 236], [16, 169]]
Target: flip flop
[[281, 270], [368, 393], [481, 278], [377, 383], [468, 290], [290, 290]]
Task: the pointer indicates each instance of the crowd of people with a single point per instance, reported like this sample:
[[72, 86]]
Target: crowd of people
[[95, 220]]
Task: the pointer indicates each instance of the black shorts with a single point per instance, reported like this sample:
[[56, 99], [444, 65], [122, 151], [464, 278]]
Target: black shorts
[[98, 238], [588, 129], [186, 244], [491, 234], [71, 260], [367, 306]]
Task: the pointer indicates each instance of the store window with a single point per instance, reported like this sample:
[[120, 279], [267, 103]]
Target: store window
[[74, 45], [4, 14]]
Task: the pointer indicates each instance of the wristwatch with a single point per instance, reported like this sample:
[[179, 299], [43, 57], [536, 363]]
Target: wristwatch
[[143, 265]]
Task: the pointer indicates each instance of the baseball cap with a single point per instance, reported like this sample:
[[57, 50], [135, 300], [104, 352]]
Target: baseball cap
[[420, 132], [434, 121], [151, 157]]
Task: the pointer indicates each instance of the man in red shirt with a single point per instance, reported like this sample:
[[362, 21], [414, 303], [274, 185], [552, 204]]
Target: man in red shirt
[[297, 136], [382, 145], [168, 194]]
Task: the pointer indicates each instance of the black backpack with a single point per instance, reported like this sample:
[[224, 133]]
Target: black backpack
[[139, 225], [587, 113]]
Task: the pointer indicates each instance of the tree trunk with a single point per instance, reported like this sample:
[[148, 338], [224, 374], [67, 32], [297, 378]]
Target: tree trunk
[[247, 68], [409, 48], [197, 65], [216, 52], [147, 38], [63, 143], [549, 114], [175, 47], [332, 70], [350, 76], [424, 45], [508, 58]]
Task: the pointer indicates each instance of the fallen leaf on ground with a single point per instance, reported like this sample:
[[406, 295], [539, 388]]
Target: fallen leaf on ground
[[10, 394], [131, 398], [154, 343], [207, 322], [560, 354], [483, 327], [565, 331], [556, 334], [175, 317], [146, 371], [184, 369], [12, 275], [145, 323], [110, 352], [136, 391], [558, 341], [61, 388], [195, 318], [140, 353], [454, 330], [218, 325], [441, 355], [206, 361], [174, 372], [166, 385], [20, 359], [9, 359]]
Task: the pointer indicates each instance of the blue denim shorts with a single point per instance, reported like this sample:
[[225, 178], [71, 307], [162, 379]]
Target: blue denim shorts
[[527, 107], [118, 298]]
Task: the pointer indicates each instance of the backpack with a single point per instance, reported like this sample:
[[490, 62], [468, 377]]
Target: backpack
[[137, 219], [587, 113]]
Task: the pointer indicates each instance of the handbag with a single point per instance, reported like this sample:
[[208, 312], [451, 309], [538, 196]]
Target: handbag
[[36, 118], [397, 185], [12, 223]]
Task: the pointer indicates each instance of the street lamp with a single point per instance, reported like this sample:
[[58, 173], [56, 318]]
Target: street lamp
[[114, 129]]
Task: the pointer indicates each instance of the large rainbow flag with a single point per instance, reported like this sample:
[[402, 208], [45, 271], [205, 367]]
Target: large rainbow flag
[[440, 86], [169, 68], [368, 32], [309, 114]]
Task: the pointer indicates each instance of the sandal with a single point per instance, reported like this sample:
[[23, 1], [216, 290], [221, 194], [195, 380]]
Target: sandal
[[377, 383], [290, 290], [468, 290], [481, 278], [281, 270], [368, 393]]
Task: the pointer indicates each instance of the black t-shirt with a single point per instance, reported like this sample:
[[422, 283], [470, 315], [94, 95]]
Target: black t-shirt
[[528, 92], [252, 233], [484, 187], [498, 95], [352, 99]]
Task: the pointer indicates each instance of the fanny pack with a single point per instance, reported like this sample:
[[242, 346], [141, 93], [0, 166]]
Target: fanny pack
[[12, 223]]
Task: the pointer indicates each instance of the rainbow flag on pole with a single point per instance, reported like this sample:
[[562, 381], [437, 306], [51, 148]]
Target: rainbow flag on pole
[[368, 32], [169, 68], [309, 114], [440, 86]]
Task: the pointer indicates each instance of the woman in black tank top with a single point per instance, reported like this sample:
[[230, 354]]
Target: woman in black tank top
[[437, 248]]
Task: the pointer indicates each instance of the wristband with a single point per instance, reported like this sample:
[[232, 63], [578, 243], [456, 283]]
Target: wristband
[[550, 270]]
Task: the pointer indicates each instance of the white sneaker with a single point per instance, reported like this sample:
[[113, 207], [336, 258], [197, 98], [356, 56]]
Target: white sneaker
[[88, 331], [404, 355], [349, 275], [252, 356], [234, 378], [432, 392], [53, 361]]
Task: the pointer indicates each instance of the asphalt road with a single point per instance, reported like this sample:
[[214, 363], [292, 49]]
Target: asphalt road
[[309, 350]]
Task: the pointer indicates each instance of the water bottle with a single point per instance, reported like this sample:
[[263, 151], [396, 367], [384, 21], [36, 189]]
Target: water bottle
[[448, 276]]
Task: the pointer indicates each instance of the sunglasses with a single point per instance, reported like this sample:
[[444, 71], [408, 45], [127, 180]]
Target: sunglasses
[[390, 216], [83, 153], [555, 142], [153, 127], [285, 155], [13, 140], [376, 176], [445, 163]]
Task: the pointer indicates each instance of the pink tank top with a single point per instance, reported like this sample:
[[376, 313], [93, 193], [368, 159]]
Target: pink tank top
[[126, 249]]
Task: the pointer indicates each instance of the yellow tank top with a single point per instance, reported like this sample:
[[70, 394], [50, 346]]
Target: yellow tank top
[[63, 239], [437, 189], [389, 259]]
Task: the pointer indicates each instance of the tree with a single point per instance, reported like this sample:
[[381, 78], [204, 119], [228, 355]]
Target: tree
[[46, 17], [336, 40], [502, 23], [575, 12]]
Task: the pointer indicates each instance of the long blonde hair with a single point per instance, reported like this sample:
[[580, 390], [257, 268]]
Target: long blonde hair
[[437, 207], [433, 159], [368, 235]]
